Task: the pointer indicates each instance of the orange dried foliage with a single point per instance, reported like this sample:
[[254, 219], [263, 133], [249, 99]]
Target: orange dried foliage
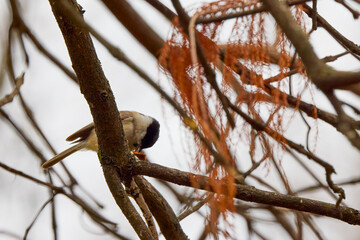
[[243, 62]]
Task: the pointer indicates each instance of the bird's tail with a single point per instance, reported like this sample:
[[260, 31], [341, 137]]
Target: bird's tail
[[62, 155]]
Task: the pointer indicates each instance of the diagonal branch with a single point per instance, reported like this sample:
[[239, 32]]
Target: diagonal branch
[[136, 25], [165, 11], [349, 45], [113, 148], [35, 180]]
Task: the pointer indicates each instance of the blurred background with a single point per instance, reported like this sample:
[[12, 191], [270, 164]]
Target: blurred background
[[60, 109]]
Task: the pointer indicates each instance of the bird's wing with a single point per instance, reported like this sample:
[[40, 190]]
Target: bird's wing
[[82, 134]]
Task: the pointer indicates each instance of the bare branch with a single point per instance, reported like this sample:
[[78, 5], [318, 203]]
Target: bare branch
[[112, 144], [137, 26], [161, 210], [24, 175], [349, 45], [36, 217], [354, 12], [165, 11], [134, 191], [212, 18], [249, 193], [9, 97], [196, 207]]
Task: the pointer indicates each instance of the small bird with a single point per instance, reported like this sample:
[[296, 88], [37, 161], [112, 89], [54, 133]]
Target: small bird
[[141, 132]]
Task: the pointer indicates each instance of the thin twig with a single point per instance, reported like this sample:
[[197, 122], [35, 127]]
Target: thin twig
[[24, 175], [345, 125], [353, 48], [9, 97], [329, 169], [243, 13], [335, 57], [312, 174], [134, 191], [49, 56], [354, 12], [316, 187], [280, 76], [36, 217], [10, 234], [196, 207], [314, 18]]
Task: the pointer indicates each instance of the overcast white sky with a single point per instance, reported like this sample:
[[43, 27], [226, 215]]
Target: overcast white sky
[[60, 109]]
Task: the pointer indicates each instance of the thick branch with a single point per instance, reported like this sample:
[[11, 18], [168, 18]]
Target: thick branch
[[96, 89], [342, 80], [251, 194]]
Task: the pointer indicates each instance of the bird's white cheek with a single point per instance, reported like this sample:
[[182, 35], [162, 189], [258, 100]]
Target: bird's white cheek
[[129, 134]]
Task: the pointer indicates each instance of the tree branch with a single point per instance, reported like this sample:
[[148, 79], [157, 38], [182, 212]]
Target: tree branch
[[161, 210], [9, 97], [293, 31], [349, 45], [114, 152], [213, 19], [249, 193], [136, 25]]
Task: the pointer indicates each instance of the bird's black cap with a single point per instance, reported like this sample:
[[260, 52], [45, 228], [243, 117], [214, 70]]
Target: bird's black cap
[[152, 135]]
